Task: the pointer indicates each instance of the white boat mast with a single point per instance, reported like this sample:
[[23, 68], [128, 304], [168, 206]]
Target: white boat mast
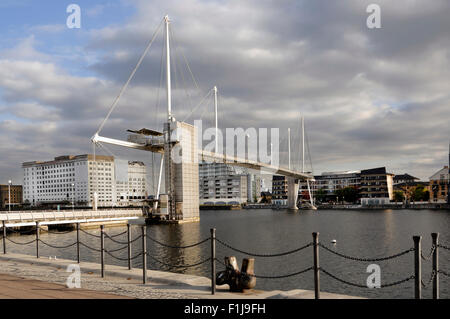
[[215, 114], [303, 144]]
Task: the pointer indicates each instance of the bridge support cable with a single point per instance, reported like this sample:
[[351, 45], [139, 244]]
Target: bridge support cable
[[124, 87]]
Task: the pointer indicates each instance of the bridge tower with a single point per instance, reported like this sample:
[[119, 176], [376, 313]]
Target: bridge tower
[[181, 171]]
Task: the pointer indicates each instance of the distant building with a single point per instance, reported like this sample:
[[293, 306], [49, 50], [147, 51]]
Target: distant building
[[10, 191], [404, 178], [439, 184], [279, 190], [75, 178], [266, 197], [253, 188], [376, 186], [222, 184], [130, 182], [332, 181]]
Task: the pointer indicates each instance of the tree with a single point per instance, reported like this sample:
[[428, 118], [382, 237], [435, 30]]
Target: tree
[[399, 196], [350, 194], [419, 194], [321, 195], [340, 195]]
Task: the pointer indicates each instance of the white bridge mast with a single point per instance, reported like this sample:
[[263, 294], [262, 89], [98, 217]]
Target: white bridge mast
[[169, 89]]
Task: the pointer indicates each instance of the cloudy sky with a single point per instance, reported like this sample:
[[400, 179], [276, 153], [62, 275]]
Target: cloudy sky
[[370, 97]]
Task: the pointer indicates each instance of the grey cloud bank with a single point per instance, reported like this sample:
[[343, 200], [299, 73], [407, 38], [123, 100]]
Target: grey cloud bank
[[370, 97]]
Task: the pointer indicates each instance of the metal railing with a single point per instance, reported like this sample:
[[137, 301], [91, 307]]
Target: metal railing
[[432, 256]]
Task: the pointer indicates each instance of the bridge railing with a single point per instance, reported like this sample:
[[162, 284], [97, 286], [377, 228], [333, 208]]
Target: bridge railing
[[315, 267], [55, 215]]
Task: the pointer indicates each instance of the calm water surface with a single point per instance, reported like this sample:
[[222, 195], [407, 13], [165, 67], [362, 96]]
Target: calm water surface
[[358, 233]]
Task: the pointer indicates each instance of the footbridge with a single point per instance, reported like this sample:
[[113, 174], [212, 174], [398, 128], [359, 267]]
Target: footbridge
[[47, 217], [180, 150]]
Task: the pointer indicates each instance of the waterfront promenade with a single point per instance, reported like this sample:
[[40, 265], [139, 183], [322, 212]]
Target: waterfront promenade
[[45, 278]]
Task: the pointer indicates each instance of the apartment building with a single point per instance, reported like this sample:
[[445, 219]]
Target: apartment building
[[13, 192], [221, 183], [439, 185], [131, 186], [254, 184], [279, 190], [376, 186]]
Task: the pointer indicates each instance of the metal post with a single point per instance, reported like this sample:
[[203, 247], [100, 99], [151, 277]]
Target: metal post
[[102, 248], [435, 239], [417, 267], [78, 243], [316, 265], [4, 237], [37, 239], [213, 261], [9, 195], [129, 245], [144, 254]]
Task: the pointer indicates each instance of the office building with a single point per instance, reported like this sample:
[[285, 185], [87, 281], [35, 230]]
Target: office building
[[74, 179], [376, 186]]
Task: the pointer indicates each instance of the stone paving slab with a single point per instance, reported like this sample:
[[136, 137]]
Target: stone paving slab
[[13, 287], [128, 283]]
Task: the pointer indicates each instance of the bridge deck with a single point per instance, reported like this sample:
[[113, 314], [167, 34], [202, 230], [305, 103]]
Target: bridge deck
[[233, 160], [27, 218]]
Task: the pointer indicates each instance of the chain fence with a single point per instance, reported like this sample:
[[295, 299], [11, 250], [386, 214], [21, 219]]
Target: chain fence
[[427, 285], [428, 258], [178, 247], [395, 283], [263, 255], [213, 240], [179, 266], [366, 259]]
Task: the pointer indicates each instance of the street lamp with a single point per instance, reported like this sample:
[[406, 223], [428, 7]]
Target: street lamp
[[73, 196], [9, 195]]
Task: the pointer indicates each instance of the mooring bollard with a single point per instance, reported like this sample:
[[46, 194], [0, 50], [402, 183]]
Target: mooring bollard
[[102, 249], [417, 267], [129, 246], [78, 243], [4, 237], [144, 254], [316, 265], [213, 261], [37, 239], [435, 241]]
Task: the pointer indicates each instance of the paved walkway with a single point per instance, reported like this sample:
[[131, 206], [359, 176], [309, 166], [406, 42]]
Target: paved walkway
[[47, 278], [13, 287]]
